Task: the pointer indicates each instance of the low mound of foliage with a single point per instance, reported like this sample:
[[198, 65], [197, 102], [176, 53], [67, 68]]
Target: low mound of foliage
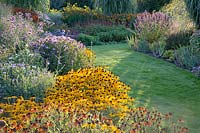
[[63, 53], [101, 34]]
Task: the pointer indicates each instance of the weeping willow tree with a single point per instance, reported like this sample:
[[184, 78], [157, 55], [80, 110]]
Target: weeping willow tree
[[41, 5], [109, 7], [194, 9]]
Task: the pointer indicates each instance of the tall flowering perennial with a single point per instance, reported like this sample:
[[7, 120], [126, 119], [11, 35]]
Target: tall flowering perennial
[[151, 26], [90, 89], [18, 32], [64, 53], [151, 30]]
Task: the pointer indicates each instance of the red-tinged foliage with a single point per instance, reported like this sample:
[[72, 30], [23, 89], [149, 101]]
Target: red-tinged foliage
[[33, 15]]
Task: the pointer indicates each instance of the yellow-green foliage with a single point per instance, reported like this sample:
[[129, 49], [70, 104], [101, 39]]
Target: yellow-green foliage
[[182, 25], [178, 10], [73, 14]]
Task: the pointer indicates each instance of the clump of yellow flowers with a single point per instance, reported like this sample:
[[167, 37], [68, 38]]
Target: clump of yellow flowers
[[17, 110], [90, 89], [82, 101], [86, 90]]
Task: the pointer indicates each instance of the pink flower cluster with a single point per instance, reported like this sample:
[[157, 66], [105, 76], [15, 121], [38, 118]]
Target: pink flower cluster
[[52, 39], [151, 20]]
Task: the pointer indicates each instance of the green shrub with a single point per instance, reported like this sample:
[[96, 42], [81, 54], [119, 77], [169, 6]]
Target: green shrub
[[113, 36], [110, 7], [169, 55], [182, 25], [175, 40], [101, 34], [94, 29], [41, 5], [138, 45], [72, 14], [29, 57], [17, 33], [177, 9], [55, 16], [105, 36], [142, 46], [24, 80], [88, 40], [188, 56], [195, 39], [158, 47], [63, 53]]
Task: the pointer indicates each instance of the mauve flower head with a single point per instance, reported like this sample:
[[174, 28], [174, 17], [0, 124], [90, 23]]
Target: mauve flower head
[[21, 65], [52, 39], [151, 19]]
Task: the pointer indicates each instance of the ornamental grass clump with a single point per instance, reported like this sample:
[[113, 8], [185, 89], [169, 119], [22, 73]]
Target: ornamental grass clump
[[64, 53], [189, 56], [90, 89], [151, 28]]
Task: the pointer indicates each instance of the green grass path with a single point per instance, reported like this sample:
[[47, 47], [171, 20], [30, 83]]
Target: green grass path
[[154, 82]]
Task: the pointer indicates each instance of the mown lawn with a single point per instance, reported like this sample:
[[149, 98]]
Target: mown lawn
[[154, 82]]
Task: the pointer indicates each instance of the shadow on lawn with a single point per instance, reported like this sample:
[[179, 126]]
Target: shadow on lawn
[[156, 83]]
